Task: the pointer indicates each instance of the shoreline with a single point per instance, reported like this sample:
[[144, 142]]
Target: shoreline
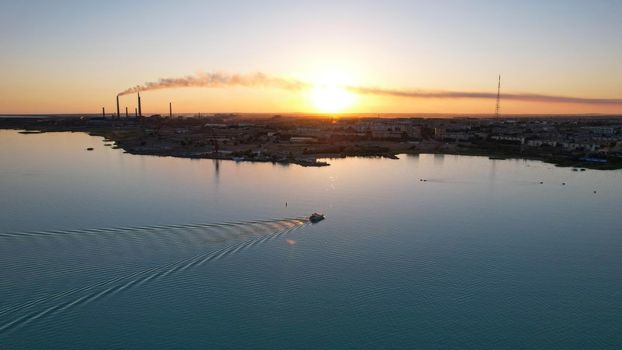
[[289, 141], [561, 163]]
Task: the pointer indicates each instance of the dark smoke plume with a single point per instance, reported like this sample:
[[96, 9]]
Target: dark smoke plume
[[480, 95], [218, 80], [222, 80]]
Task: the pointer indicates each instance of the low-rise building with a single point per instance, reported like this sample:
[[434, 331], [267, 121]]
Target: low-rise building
[[509, 138], [300, 139]]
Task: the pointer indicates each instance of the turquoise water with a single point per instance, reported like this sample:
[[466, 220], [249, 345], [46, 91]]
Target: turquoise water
[[107, 250]]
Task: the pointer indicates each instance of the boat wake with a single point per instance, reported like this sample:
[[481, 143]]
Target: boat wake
[[240, 235]]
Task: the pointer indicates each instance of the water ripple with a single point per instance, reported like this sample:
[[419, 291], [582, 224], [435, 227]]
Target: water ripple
[[250, 233]]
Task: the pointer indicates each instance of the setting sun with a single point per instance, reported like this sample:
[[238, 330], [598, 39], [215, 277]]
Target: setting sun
[[329, 95], [331, 99]]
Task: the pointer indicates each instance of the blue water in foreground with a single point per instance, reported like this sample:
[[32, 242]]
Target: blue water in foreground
[[104, 250]]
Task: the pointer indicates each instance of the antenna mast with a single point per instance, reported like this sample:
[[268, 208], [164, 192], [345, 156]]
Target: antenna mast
[[498, 108]]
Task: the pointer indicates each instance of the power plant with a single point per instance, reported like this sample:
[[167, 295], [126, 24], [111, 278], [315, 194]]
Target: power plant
[[138, 110], [118, 116]]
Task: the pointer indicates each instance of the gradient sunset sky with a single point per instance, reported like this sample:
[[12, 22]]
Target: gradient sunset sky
[[75, 56]]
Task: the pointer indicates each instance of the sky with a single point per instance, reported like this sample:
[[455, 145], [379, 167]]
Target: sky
[[75, 56]]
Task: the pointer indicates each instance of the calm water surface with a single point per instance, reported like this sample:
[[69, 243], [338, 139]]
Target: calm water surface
[[107, 250]]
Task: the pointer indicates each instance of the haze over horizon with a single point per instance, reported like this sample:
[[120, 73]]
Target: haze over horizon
[[346, 57], [345, 174]]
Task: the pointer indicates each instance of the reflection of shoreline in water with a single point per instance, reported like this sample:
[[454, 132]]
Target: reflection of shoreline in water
[[216, 170], [439, 158]]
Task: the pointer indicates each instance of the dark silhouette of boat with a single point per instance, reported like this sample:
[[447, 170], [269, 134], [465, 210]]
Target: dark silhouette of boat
[[315, 217]]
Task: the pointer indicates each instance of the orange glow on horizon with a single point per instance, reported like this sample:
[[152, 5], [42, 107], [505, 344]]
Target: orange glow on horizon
[[328, 95]]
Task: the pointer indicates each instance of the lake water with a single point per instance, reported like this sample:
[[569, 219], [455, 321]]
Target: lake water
[[103, 249]]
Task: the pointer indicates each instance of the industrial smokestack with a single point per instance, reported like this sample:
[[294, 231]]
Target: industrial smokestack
[[170, 109], [140, 111], [136, 112], [127, 115], [118, 112], [103, 112]]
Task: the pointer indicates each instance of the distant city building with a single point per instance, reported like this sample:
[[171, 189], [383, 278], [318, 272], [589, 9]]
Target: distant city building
[[298, 139]]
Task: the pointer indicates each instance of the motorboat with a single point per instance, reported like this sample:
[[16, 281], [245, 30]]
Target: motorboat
[[315, 217]]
